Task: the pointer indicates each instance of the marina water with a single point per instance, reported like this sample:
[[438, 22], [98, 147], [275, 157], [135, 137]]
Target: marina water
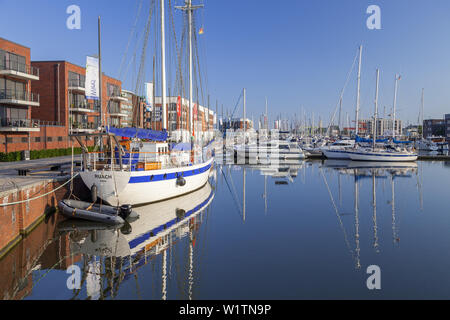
[[299, 235]]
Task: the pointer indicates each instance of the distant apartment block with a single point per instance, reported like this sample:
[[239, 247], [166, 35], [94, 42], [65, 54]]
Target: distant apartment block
[[204, 119], [447, 127], [434, 128]]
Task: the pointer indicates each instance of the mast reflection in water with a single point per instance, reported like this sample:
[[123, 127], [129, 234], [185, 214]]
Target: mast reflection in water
[[307, 230], [166, 231]]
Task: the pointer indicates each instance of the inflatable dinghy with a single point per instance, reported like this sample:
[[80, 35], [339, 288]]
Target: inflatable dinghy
[[104, 214]]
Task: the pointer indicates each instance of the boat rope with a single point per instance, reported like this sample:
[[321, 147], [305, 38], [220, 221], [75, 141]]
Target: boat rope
[[133, 34], [45, 194], [232, 194], [342, 93], [336, 210]]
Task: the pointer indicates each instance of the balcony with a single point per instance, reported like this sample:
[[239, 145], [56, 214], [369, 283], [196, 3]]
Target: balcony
[[117, 96], [19, 70], [19, 98], [117, 113], [77, 85], [84, 107], [84, 127], [19, 125]]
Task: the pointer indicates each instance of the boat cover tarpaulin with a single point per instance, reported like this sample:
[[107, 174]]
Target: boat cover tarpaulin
[[359, 139], [405, 142], [139, 133], [181, 146]]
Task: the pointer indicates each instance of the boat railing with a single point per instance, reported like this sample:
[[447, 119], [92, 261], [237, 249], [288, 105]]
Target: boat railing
[[142, 161]]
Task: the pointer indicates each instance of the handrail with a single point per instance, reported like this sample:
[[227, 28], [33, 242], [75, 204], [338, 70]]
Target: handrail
[[19, 67], [18, 123], [19, 95]]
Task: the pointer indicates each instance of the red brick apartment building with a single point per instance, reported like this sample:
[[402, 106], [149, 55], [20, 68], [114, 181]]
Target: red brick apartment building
[[42, 102], [17, 99], [62, 92]]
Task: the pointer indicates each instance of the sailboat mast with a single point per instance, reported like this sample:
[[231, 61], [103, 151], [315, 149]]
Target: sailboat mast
[[358, 93], [376, 110], [340, 115], [245, 122], [267, 119], [394, 127], [163, 67], [189, 8], [423, 102]]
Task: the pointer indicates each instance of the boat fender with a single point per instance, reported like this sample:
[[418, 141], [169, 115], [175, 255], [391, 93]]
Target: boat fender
[[94, 193], [125, 211], [180, 213], [181, 181]]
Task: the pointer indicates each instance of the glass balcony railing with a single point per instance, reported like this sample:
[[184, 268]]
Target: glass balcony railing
[[19, 67], [85, 105], [18, 123], [85, 125], [77, 83], [18, 95]]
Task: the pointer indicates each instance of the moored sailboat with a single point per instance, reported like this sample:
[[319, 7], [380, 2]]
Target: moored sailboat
[[137, 171]]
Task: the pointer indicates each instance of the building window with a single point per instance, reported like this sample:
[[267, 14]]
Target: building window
[[113, 90], [76, 80], [25, 140], [60, 138], [9, 140], [37, 139], [12, 61], [49, 139]]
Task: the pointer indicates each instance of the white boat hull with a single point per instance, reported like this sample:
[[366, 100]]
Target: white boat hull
[[142, 187], [382, 156], [335, 154]]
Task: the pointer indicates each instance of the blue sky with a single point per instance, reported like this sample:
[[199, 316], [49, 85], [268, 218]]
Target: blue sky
[[295, 52]]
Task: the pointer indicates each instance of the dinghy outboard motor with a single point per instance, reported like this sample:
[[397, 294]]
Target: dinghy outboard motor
[[180, 214], [181, 181], [125, 211], [94, 193]]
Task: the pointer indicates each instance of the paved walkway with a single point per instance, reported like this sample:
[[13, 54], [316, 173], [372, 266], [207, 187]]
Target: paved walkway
[[9, 178], [8, 166]]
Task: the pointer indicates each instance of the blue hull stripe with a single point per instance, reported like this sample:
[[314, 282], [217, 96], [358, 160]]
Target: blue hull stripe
[[169, 176], [137, 241], [139, 258]]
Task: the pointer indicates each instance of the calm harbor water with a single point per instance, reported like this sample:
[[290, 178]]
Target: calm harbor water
[[305, 231]]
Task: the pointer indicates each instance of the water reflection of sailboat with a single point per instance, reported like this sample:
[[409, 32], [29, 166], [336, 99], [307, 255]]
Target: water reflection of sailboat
[[281, 171], [366, 170], [136, 244]]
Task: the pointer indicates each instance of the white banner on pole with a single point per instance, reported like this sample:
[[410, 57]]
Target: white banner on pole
[[92, 81], [148, 87]]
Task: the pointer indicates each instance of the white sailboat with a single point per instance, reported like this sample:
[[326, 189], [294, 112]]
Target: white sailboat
[[338, 150], [375, 153], [136, 172]]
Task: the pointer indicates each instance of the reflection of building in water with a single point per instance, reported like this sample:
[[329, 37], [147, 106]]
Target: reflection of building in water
[[111, 256], [27, 239]]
